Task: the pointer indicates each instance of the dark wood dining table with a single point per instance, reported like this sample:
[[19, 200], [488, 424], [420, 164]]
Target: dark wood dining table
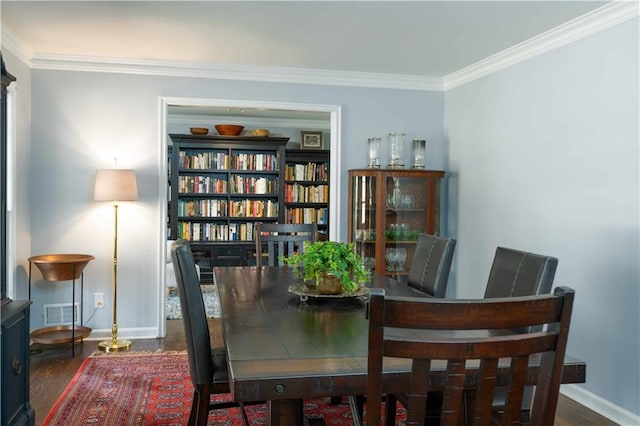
[[282, 350]]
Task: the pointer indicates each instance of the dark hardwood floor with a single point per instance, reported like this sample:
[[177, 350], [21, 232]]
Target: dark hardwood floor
[[52, 368]]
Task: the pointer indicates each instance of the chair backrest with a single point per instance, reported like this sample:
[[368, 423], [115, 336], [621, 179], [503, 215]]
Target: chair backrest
[[427, 330], [282, 239], [519, 273], [431, 263], [194, 314]]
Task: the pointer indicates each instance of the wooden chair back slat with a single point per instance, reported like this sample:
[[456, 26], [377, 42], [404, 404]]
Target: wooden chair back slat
[[454, 314]]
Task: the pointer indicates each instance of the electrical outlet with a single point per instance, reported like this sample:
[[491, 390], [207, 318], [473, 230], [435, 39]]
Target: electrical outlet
[[98, 300]]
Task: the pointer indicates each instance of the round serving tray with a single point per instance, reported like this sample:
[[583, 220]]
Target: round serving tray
[[305, 292], [59, 334]]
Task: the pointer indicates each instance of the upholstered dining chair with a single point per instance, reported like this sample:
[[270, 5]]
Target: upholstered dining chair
[[429, 273], [282, 239], [207, 365], [456, 330], [519, 273], [431, 264]]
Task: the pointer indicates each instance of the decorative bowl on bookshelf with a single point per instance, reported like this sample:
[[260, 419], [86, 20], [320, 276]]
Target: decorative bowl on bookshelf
[[199, 130], [229, 129]]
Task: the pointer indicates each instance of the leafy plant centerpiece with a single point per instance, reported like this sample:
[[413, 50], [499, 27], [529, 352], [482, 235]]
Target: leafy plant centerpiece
[[323, 258]]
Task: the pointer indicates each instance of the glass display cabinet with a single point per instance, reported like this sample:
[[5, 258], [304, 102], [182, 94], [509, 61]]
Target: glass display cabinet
[[388, 209]]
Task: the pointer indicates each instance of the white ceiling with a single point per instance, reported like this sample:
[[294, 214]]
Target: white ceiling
[[344, 41], [424, 38]]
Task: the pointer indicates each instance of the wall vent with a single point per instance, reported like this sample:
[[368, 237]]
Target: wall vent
[[61, 313]]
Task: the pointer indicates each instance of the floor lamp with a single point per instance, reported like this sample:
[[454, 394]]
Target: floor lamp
[[115, 185]]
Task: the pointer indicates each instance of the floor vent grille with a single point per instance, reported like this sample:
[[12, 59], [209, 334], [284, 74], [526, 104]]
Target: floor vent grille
[[61, 313]]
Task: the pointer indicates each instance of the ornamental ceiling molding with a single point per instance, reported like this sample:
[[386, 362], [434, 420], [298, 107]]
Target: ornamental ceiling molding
[[595, 21], [599, 19], [12, 43], [236, 72]]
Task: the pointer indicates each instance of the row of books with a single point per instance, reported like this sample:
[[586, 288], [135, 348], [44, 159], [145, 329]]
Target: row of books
[[195, 231], [309, 171], [307, 215], [204, 160], [253, 185], [296, 193], [202, 185], [220, 160], [202, 208], [253, 208], [259, 162]]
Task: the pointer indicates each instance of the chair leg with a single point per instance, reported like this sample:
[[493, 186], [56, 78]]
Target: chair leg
[[245, 418], [194, 409], [390, 410], [355, 413], [200, 407]]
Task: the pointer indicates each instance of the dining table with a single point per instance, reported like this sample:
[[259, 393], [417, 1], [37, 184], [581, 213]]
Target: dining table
[[285, 345]]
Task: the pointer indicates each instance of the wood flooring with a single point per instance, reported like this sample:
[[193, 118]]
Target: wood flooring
[[52, 368]]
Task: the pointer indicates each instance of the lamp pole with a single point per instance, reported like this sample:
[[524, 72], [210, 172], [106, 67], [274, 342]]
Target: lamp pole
[[115, 185]]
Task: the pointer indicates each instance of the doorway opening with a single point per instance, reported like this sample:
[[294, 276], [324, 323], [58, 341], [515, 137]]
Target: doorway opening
[[177, 115]]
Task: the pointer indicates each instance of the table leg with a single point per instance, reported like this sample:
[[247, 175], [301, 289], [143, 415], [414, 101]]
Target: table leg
[[285, 412]]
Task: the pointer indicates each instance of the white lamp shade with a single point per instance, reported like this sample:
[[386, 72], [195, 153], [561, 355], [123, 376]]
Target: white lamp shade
[[115, 185]]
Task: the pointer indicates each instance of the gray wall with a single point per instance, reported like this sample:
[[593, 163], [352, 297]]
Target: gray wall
[[544, 157], [82, 120]]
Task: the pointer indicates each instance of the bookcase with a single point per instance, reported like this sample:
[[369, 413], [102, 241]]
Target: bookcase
[[219, 188], [306, 188]]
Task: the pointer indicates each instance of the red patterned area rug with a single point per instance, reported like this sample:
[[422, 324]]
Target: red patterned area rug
[[155, 389]]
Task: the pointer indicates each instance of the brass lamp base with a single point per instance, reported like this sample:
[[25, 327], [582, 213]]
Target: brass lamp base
[[114, 345]]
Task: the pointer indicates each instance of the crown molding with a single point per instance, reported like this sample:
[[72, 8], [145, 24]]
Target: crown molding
[[15, 45], [590, 23], [235, 72]]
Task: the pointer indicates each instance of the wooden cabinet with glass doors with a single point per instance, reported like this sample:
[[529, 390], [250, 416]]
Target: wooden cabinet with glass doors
[[388, 209]]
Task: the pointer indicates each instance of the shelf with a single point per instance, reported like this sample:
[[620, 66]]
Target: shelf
[[307, 182], [303, 204]]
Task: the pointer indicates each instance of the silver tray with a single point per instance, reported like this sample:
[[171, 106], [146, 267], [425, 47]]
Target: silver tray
[[305, 292]]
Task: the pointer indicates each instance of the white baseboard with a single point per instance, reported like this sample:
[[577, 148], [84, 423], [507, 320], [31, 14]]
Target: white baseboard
[[125, 333], [600, 405]]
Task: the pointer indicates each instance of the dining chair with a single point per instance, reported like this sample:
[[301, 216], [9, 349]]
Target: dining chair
[[281, 239], [439, 336], [207, 365], [431, 264], [429, 273], [519, 273]]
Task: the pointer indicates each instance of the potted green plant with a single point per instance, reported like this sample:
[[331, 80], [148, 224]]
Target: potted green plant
[[324, 261]]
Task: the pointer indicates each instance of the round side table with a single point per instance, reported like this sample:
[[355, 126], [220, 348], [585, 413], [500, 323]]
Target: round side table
[[62, 267]]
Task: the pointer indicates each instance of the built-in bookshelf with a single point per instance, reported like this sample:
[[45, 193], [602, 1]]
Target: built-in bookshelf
[[220, 187], [306, 187], [223, 185]]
